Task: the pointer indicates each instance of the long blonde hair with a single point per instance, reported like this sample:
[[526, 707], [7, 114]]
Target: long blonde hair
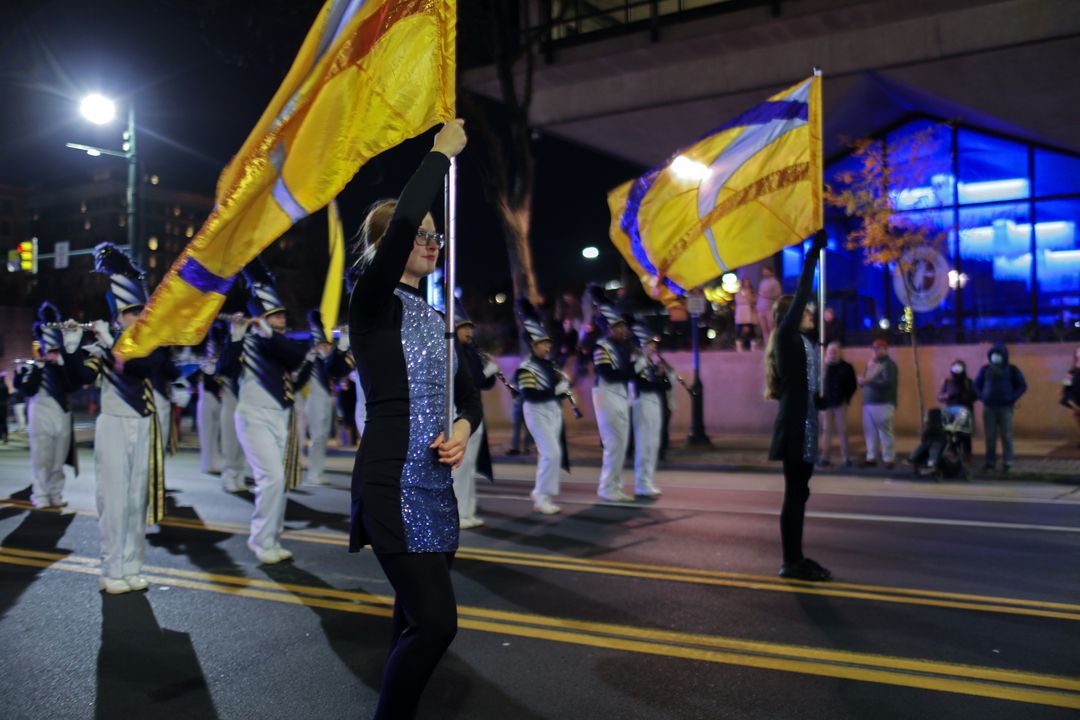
[[367, 238], [774, 385]]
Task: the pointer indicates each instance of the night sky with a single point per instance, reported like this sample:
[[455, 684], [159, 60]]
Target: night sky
[[203, 71]]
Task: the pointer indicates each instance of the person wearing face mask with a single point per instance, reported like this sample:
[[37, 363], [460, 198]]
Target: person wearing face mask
[[1070, 388], [957, 389], [999, 385]]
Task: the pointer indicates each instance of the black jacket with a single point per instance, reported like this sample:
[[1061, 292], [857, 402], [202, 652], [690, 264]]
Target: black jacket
[[789, 429], [840, 385], [957, 390]]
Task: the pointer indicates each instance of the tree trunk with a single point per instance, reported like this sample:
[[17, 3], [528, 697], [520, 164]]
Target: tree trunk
[[909, 318], [516, 223]]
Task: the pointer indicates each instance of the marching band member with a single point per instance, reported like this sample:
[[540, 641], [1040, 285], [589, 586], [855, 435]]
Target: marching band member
[[128, 450], [326, 366], [208, 409], [166, 374], [265, 424], [234, 466], [614, 363], [651, 384], [542, 384], [477, 460], [45, 385]]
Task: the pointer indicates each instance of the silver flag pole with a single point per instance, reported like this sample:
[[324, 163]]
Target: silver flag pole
[[449, 282]]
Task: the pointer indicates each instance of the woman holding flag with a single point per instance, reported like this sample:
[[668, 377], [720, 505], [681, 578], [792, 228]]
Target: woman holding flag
[[403, 501], [793, 377]]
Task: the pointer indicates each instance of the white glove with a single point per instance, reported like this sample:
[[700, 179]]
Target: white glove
[[208, 367], [95, 350], [72, 337], [237, 330], [562, 388], [101, 329], [263, 329], [640, 363], [490, 368], [323, 351], [312, 355], [343, 341]]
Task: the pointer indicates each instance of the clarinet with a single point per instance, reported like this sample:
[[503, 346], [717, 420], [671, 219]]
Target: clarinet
[[677, 375]]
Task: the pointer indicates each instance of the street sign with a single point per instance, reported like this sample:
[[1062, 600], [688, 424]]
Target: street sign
[[61, 254], [695, 302]]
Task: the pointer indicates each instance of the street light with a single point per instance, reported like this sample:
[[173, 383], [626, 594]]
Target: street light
[[100, 110], [590, 253]]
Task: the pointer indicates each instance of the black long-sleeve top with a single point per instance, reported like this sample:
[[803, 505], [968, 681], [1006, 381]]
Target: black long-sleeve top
[[49, 377], [402, 497], [536, 379], [796, 418]]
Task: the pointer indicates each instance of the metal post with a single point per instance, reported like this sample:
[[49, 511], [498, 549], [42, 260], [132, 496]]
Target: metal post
[[821, 315], [449, 281], [697, 416], [134, 248]]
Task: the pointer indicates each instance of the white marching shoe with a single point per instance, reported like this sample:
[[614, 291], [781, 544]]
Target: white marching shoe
[[543, 505], [283, 554], [136, 582], [268, 557], [650, 491], [616, 496], [319, 480], [471, 522], [113, 586]]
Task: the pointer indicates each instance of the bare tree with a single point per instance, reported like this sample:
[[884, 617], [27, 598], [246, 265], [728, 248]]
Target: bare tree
[[508, 166], [893, 231]]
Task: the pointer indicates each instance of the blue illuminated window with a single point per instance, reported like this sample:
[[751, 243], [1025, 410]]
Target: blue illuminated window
[[991, 168]]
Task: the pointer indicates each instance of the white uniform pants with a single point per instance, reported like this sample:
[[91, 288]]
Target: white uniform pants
[[50, 439], [209, 413], [233, 465], [465, 476], [544, 421], [20, 416], [122, 466], [648, 417], [164, 414], [263, 433], [320, 420], [612, 408], [878, 425]]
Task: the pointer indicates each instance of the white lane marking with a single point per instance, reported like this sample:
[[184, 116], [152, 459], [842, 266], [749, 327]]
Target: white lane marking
[[822, 515]]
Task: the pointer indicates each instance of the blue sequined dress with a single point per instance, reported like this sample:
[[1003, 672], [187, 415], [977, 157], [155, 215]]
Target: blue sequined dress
[[402, 496]]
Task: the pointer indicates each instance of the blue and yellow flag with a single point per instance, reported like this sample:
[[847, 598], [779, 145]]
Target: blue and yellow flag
[[369, 75], [743, 192]]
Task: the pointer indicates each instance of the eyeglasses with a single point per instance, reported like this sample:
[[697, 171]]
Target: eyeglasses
[[423, 237]]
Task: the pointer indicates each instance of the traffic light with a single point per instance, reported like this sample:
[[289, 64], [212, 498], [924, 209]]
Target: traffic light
[[28, 255]]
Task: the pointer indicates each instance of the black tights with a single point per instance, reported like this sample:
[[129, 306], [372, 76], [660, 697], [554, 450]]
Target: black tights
[[425, 622], [797, 474]]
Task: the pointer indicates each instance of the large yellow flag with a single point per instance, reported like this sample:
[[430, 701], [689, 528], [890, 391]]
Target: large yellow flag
[[370, 74], [740, 194]]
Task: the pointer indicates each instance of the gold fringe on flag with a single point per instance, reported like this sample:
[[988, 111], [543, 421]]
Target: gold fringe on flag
[[156, 510], [292, 454]]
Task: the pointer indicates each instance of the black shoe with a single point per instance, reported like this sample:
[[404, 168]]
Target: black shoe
[[848, 463], [868, 463], [1006, 468], [889, 465], [513, 451], [825, 463], [825, 573], [804, 570]]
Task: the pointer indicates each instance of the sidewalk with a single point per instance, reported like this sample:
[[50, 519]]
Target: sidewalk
[[1050, 460]]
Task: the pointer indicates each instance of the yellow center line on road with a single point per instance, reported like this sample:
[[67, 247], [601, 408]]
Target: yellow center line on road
[[851, 591], [979, 681]]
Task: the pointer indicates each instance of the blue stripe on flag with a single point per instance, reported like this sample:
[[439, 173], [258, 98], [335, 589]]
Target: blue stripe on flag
[[287, 202], [197, 276]]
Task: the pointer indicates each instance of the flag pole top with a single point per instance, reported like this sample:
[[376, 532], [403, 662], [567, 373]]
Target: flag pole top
[[817, 71]]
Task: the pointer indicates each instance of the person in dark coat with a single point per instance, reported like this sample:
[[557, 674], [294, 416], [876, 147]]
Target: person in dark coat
[[1070, 388], [840, 386], [958, 390], [792, 377], [999, 385]]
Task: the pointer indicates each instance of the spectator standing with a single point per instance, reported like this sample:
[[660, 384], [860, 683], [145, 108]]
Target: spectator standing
[[879, 383], [840, 387], [769, 291], [5, 394], [834, 329], [999, 385], [958, 390], [1070, 388], [746, 316]]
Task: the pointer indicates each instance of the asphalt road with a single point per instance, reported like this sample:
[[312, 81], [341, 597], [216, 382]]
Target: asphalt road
[[949, 601]]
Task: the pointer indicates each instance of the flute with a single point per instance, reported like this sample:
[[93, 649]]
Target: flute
[[677, 375], [69, 325], [485, 358], [569, 395]]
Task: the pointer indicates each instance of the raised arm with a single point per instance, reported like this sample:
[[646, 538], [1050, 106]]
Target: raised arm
[[789, 325]]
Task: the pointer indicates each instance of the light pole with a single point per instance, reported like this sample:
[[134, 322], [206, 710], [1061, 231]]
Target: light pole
[[101, 110]]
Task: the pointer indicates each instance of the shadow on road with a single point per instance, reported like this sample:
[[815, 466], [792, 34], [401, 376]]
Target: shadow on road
[[201, 546], [144, 671], [37, 531]]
